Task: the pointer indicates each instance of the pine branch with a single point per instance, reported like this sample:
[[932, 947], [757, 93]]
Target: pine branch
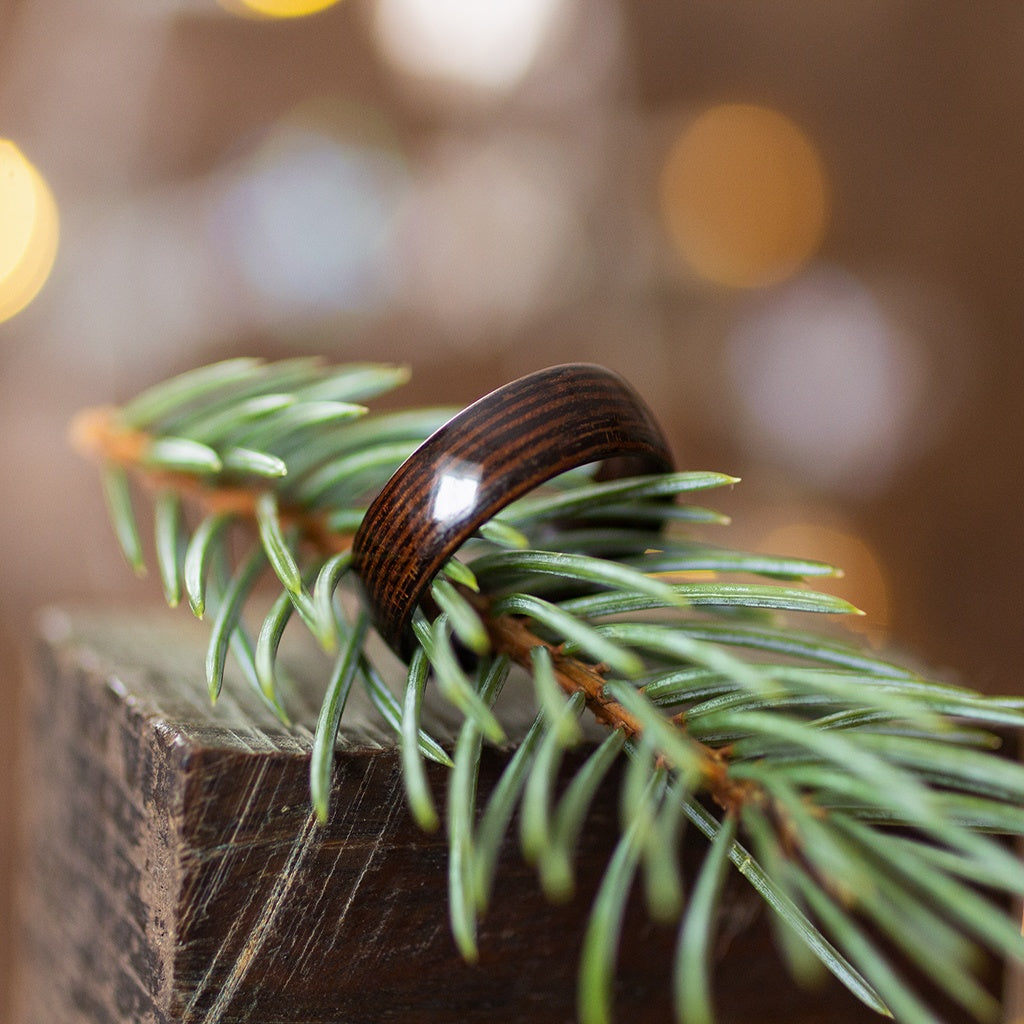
[[794, 753], [102, 435]]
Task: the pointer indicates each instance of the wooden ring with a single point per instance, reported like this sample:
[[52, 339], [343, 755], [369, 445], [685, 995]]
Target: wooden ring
[[490, 454]]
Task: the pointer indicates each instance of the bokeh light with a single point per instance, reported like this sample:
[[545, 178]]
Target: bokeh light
[[493, 235], [29, 229], [744, 196], [862, 583], [490, 45], [825, 385], [308, 219], [276, 8]]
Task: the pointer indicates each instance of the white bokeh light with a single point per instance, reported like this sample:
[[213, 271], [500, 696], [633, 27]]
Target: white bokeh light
[[826, 385], [486, 43], [308, 224], [494, 235]]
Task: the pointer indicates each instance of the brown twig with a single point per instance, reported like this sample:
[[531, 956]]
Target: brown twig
[[511, 635]]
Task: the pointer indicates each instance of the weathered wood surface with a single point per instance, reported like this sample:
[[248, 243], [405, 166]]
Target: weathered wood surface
[[176, 874]]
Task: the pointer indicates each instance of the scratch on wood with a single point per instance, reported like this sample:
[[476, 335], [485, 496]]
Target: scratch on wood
[[374, 850], [223, 867], [395, 803], [275, 903], [373, 846]]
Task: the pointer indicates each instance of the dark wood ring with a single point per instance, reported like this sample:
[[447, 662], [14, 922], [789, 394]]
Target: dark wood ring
[[491, 453]]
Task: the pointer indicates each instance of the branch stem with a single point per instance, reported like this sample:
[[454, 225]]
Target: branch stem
[[512, 636], [98, 434]]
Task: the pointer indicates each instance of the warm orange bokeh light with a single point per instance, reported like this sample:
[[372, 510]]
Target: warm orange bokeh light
[[28, 231], [863, 581], [276, 8], [744, 196]]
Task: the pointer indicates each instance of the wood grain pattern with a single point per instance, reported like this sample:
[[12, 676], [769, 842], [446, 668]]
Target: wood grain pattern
[[493, 452], [174, 874], [177, 874]]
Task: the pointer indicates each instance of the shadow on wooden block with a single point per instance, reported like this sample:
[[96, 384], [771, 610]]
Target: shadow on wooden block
[[175, 872]]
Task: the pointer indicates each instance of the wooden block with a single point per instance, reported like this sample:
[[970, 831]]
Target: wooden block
[[176, 874]]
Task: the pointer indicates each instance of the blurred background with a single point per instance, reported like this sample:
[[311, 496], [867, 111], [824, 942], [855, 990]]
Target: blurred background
[[796, 228]]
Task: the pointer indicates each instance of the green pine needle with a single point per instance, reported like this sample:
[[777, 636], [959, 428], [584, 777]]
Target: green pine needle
[[503, 534], [663, 880], [692, 970], [600, 940], [117, 491], [593, 496], [338, 686], [228, 615], [204, 543], [462, 787], [269, 640], [389, 708], [567, 820], [552, 700], [465, 621], [248, 462], [498, 812], [180, 454], [451, 678], [164, 398], [583, 568], [274, 544], [329, 575], [167, 532], [535, 820], [459, 572]]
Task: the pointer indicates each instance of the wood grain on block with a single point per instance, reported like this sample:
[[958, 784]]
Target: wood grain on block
[[175, 873]]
